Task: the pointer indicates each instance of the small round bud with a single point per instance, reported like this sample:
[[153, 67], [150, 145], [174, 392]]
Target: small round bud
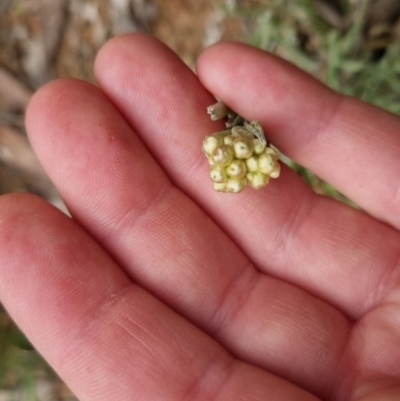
[[252, 163], [259, 147], [271, 151], [236, 185], [219, 187], [243, 147], [237, 169], [222, 155], [266, 163], [228, 140], [257, 180], [211, 143], [277, 171], [218, 173]]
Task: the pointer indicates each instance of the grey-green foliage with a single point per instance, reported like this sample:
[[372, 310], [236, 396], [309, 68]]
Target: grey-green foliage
[[19, 363], [337, 56]]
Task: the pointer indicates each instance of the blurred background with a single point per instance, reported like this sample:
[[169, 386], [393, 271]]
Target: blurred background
[[351, 45]]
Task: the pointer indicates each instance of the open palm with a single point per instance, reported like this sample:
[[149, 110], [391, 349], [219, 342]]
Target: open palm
[[159, 288]]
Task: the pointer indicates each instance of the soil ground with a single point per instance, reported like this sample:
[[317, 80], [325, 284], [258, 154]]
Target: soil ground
[[45, 39]]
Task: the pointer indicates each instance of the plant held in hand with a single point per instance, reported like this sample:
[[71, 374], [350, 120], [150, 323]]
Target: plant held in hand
[[239, 155]]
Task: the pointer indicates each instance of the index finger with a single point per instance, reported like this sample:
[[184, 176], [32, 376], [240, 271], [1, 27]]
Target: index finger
[[352, 145]]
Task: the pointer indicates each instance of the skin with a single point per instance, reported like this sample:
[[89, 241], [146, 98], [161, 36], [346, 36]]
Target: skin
[[160, 288]]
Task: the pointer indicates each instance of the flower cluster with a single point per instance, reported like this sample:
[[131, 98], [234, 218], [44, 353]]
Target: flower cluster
[[238, 158]]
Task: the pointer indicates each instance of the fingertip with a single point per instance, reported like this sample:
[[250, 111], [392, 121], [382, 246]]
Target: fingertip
[[213, 60], [220, 48], [18, 204], [124, 50], [125, 42], [50, 91], [51, 103], [20, 213], [24, 223], [264, 87]]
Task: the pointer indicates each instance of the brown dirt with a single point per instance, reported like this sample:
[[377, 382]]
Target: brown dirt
[[45, 39]]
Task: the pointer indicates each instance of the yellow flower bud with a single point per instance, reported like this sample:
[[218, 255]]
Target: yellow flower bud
[[236, 185], [259, 147], [252, 163], [222, 155], [218, 173], [228, 140], [237, 169], [211, 143], [243, 148], [266, 164], [277, 171], [272, 152], [257, 180], [219, 187]]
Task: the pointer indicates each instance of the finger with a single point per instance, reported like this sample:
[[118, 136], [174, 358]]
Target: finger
[[107, 337], [351, 144], [375, 345], [337, 138], [168, 245], [283, 228]]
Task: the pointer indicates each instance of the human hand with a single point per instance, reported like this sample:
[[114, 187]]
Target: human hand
[[160, 288]]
